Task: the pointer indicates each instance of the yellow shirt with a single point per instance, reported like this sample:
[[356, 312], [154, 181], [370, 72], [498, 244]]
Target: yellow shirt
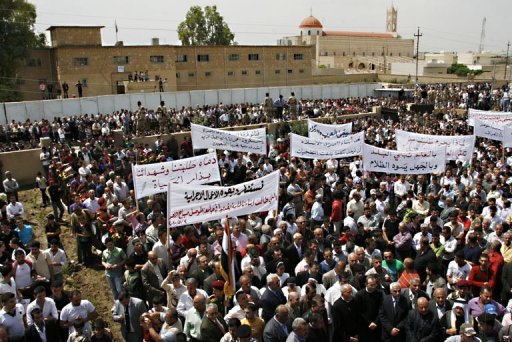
[[506, 252], [256, 328]]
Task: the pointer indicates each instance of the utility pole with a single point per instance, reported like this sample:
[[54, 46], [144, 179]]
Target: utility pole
[[506, 61], [417, 35]]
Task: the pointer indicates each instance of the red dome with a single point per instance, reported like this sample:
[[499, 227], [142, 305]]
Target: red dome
[[311, 22]]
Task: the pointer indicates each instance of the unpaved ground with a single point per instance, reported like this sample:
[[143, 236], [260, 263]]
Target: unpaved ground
[[91, 282]]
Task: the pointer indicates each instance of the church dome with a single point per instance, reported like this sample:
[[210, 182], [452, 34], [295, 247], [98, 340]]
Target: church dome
[[310, 22]]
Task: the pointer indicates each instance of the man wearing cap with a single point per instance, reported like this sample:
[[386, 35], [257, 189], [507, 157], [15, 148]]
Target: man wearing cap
[[462, 292], [467, 334]]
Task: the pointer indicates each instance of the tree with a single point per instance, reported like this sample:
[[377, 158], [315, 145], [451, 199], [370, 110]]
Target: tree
[[17, 37], [204, 28], [462, 70]]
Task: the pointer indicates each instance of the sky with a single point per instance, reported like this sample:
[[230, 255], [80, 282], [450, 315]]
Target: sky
[[446, 25]]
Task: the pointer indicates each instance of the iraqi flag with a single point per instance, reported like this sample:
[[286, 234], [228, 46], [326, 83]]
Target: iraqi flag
[[227, 268]]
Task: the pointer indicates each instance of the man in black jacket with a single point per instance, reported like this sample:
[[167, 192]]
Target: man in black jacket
[[344, 316], [49, 328], [422, 324], [393, 315], [368, 302]]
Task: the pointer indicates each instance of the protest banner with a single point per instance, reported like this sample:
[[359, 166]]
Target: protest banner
[[323, 149], [408, 163], [458, 147], [252, 141], [149, 179], [320, 131], [497, 119], [201, 203]]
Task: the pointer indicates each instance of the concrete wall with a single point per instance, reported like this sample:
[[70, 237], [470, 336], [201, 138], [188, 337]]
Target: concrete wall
[[22, 164], [48, 109]]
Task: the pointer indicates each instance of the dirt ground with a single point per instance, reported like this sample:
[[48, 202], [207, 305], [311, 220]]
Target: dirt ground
[[91, 282]]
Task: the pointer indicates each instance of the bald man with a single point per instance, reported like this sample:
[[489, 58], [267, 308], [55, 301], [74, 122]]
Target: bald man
[[422, 323], [153, 273]]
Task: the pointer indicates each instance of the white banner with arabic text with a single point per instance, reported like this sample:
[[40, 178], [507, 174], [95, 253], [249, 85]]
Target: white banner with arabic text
[[319, 131], [323, 149], [487, 129], [202, 203], [497, 119], [458, 147], [252, 141], [408, 163], [149, 179]]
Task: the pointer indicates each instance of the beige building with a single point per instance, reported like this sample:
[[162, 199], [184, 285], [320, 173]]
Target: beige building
[[77, 54], [353, 51]]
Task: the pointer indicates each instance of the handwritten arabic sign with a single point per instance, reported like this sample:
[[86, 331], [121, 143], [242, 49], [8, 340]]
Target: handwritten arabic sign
[[487, 129], [154, 178], [458, 147], [497, 119], [252, 141], [323, 149], [201, 203], [410, 163], [319, 131]]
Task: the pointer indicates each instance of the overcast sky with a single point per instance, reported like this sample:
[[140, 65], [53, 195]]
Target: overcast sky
[[449, 25]]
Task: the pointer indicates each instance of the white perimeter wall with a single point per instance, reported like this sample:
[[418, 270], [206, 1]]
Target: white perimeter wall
[[48, 109]]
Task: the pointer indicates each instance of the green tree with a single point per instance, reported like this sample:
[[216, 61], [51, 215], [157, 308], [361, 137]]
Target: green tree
[[204, 28], [17, 37]]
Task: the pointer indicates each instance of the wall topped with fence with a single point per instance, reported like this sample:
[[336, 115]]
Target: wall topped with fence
[[48, 109]]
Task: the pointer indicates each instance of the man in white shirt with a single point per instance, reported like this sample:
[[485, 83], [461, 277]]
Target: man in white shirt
[[121, 190], [458, 269], [91, 202], [401, 186], [45, 304], [14, 208], [11, 317], [186, 301], [78, 308], [57, 259], [422, 233]]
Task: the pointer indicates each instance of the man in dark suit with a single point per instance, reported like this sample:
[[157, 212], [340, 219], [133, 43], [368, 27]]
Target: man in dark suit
[[272, 297], [127, 311], [438, 304], [213, 326], [393, 315], [153, 273], [294, 253], [413, 292], [344, 316], [278, 327], [302, 278], [39, 324], [422, 324]]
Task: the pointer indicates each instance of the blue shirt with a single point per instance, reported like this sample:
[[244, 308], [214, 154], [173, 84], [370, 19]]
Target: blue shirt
[[25, 235]]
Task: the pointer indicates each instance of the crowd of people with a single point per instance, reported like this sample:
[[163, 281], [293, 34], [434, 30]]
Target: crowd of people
[[350, 255]]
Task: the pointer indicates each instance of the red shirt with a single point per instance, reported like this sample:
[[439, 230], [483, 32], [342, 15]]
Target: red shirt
[[477, 278]]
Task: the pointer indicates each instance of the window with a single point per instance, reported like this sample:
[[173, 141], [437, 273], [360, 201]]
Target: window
[[208, 73], [203, 58], [121, 60], [343, 53], [234, 57], [156, 59], [244, 72], [290, 71], [178, 75], [254, 56], [231, 73], [298, 56], [258, 72], [191, 74], [277, 71], [33, 62], [301, 71], [80, 61], [84, 82], [280, 56], [364, 53], [181, 58]]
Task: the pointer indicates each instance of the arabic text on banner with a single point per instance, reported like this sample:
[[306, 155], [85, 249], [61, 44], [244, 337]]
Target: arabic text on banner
[[458, 147], [252, 141], [409, 163], [320, 131], [487, 129], [201, 203], [497, 119], [323, 149], [151, 179]]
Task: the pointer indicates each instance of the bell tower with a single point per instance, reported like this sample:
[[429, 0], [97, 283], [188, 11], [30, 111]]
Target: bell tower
[[391, 19]]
